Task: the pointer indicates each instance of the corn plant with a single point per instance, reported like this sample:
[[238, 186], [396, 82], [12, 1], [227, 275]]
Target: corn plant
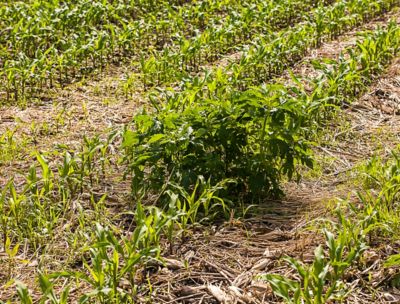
[[69, 181], [23, 293], [11, 253], [346, 239], [380, 209], [48, 292], [323, 280], [116, 259], [198, 206], [393, 260], [315, 286], [32, 213]]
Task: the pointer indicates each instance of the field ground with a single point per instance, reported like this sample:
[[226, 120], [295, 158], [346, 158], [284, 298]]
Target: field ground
[[218, 262]]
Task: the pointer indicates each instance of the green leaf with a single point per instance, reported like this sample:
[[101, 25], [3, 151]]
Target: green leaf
[[155, 138], [282, 286], [393, 260], [130, 138]]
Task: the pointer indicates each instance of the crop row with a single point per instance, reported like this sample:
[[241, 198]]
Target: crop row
[[240, 27], [57, 44], [269, 53], [261, 63], [45, 41], [43, 23]]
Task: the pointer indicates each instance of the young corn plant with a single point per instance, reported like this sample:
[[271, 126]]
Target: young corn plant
[[379, 203], [201, 205], [69, 182], [115, 259], [347, 239], [324, 280], [48, 292]]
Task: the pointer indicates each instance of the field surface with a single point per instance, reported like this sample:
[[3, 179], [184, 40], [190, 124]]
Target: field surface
[[200, 151]]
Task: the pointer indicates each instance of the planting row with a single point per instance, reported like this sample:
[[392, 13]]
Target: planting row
[[45, 44], [269, 53]]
